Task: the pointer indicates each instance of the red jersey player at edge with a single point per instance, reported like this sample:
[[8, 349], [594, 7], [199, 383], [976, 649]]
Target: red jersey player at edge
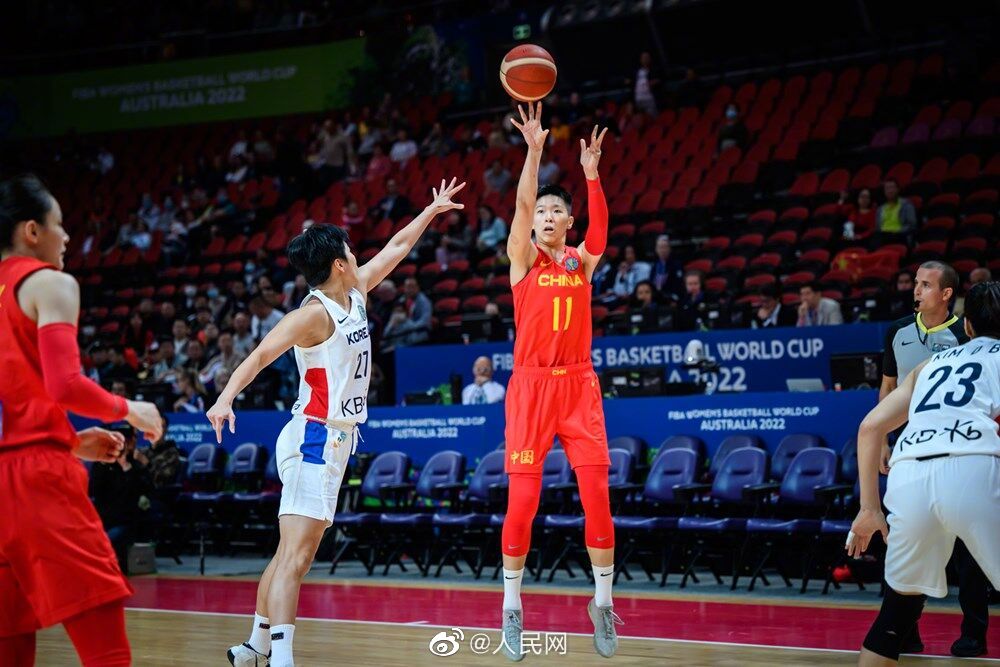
[[56, 563], [554, 390]]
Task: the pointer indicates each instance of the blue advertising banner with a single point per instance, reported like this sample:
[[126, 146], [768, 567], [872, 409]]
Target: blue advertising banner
[[475, 430], [754, 360]]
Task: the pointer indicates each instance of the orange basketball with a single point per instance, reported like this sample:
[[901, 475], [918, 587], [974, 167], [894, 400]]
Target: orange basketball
[[528, 73]]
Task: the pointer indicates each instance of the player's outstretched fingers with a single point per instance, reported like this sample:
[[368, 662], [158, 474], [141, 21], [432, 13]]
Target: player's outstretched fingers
[[524, 118], [600, 138]]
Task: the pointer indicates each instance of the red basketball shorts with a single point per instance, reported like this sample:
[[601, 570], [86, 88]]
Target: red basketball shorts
[[543, 403], [55, 558]]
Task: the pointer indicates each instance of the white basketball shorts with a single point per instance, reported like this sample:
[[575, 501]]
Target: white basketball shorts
[[312, 462], [931, 503]]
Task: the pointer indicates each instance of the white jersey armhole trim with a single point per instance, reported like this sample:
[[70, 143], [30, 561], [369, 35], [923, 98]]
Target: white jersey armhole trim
[[336, 329]]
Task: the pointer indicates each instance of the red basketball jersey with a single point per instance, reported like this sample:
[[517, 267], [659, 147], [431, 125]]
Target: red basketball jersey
[[28, 416], [552, 313]]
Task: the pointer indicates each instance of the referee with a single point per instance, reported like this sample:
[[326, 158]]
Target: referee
[[910, 341]]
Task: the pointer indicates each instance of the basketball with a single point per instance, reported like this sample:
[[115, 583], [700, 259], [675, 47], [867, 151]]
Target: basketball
[[528, 73]]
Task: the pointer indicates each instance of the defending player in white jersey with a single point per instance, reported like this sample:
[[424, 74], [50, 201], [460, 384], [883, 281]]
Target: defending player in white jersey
[[329, 334], [944, 479]]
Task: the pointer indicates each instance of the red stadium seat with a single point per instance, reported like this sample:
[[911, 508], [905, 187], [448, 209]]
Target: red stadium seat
[[869, 176], [445, 287], [717, 243], [732, 263], [703, 265], [805, 185], [770, 260], [758, 281], [446, 306]]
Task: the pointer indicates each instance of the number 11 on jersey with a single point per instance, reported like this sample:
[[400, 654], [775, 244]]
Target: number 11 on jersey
[[555, 313]]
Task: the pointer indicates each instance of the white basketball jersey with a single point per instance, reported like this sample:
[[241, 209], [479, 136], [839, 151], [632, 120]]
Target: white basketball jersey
[[335, 374], [955, 404]]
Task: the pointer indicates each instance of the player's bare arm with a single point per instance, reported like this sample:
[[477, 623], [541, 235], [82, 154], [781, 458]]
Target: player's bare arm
[[520, 249], [52, 297], [888, 415], [305, 327], [887, 387], [399, 246], [596, 240]]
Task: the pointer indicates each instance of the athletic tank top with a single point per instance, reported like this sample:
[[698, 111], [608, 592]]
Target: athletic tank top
[[552, 313], [955, 404], [28, 416], [335, 374]]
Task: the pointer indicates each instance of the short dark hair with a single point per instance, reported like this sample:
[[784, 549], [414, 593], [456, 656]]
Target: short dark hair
[[556, 191], [313, 252], [891, 180], [949, 276], [814, 285], [769, 290], [982, 308], [22, 198]]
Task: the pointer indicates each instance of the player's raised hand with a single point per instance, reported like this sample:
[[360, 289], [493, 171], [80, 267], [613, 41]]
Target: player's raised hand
[[100, 445], [218, 415], [590, 156], [146, 418], [867, 523], [531, 126], [442, 201]]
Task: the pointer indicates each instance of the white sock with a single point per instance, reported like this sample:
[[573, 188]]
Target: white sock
[[603, 578], [281, 645], [512, 588], [260, 635]]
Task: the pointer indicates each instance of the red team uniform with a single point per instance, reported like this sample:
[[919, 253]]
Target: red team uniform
[[554, 390], [55, 559]]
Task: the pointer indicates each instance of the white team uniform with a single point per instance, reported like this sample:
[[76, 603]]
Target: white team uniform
[[944, 480], [313, 449]]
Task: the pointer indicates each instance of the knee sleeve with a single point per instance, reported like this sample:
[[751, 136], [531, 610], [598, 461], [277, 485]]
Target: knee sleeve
[[99, 637], [18, 649], [522, 505], [896, 619], [599, 530]]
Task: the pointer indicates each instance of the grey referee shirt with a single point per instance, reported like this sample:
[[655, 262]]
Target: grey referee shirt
[[909, 342]]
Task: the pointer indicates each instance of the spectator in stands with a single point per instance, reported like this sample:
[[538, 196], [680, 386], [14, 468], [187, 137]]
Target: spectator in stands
[[209, 337], [492, 229], [692, 303], [163, 322], [182, 334], [195, 357], [262, 149], [393, 205], [410, 321], [644, 297], [379, 166], [559, 131], [435, 143], [403, 149], [124, 238], [630, 273], [238, 301], [98, 362], [296, 294], [385, 296], [859, 220], [243, 340], [352, 215], [496, 179], [816, 309], [118, 368], [575, 111], [265, 317], [148, 211], [105, 161], [901, 301], [226, 359], [645, 84], [166, 360], [137, 335], [120, 492], [239, 169], [603, 281], [192, 393], [548, 170], [168, 215], [667, 273], [770, 312], [240, 146], [483, 389], [142, 240], [897, 215], [980, 274], [120, 388], [162, 460], [335, 154], [733, 132]]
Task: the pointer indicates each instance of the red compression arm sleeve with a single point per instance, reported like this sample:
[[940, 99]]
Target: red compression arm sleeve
[[596, 240], [64, 382]]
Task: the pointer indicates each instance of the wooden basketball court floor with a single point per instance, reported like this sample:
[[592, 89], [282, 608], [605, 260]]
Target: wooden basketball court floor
[[192, 621]]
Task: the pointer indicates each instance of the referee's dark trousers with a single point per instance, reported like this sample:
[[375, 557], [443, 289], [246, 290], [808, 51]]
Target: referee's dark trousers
[[973, 594]]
